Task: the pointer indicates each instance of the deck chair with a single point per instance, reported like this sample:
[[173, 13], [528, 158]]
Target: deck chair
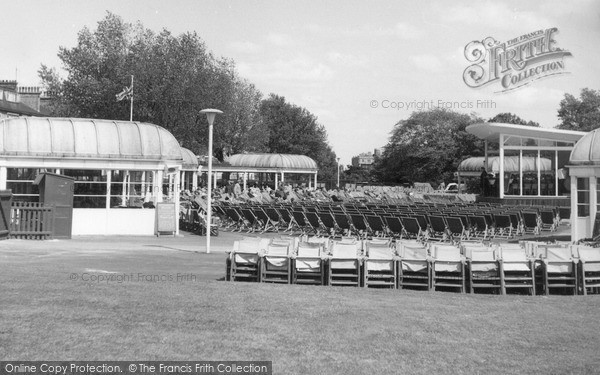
[[252, 222], [456, 229], [379, 265], [358, 225], [394, 227], [484, 270], [503, 226], [343, 224], [414, 267], [328, 223], [518, 271], [308, 264], [300, 221], [286, 219], [448, 268], [547, 220], [439, 229], [344, 264], [559, 269], [265, 222], [589, 268], [479, 227], [276, 264], [274, 218], [531, 223], [412, 228], [244, 259], [376, 226], [314, 223]]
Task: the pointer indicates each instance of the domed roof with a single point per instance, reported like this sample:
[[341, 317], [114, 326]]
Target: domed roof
[[190, 160], [279, 161], [86, 138], [587, 150]]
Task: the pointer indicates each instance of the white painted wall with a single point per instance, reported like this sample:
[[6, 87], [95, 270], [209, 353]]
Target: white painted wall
[[97, 221]]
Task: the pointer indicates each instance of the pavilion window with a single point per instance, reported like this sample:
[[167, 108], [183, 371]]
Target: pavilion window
[[89, 187], [583, 197], [130, 189]]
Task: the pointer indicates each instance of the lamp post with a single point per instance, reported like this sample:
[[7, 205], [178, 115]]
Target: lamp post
[[210, 116], [338, 173]]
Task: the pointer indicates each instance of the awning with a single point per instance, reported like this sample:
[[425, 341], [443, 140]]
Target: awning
[[472, 166]]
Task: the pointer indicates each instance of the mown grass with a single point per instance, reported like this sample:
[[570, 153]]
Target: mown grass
[[302, 329]]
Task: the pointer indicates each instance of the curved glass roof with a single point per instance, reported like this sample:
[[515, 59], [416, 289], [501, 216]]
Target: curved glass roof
[[190, 160], [511, 164], [86, 138], [587, 150], [288, 162]]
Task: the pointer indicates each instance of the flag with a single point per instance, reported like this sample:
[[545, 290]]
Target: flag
[[125, 94]]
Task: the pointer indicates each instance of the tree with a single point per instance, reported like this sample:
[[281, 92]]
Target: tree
[[427, 147], [295, 130], [509, 118], [174, 77], [581, 114]]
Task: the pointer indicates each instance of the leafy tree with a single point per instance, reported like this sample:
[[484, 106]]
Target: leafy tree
[[295, 130], [509, 118], [581, 114], [427, 147], [174, 77]]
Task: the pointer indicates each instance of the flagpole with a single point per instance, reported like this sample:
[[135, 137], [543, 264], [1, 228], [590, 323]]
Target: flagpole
[[131, 106]]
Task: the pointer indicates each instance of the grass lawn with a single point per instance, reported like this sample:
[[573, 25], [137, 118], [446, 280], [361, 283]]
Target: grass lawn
[[44, 314]]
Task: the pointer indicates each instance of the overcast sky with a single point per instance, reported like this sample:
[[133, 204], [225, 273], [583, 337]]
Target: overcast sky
[[344, 61]]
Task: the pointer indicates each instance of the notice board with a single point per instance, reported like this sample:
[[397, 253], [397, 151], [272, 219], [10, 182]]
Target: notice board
[[165, 218]]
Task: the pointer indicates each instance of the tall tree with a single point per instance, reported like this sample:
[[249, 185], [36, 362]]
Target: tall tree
[[295, 130], [509, 118], [174, 77], [581, 114], [427, 147]]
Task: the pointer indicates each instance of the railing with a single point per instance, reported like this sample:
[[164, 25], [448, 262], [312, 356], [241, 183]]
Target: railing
[[31, 221]]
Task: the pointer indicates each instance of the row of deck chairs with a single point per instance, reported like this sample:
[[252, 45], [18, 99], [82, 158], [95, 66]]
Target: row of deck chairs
[[470, 267], [449, 223]]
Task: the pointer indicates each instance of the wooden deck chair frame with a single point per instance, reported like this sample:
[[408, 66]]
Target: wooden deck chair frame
[[245, 261], [414, 266], [344, 264], [589, 269], [276, 265], [559, 269], [448, 268], [518, 270], [380, 265], [484, 271], [308, 267]]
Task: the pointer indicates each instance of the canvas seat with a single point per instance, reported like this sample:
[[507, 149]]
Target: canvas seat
[[308, 264], [589, 266], [244, 260], [484, 270], [518, 271], [559, 269], [379, 265], [275, 264], [448, 268], [414, 268], [344, 264]]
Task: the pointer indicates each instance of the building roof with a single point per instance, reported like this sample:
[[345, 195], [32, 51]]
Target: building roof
[[86, 138], [491, 131], [587, 150], [190, 160], [18, 108], [286, 162], [473, 165]]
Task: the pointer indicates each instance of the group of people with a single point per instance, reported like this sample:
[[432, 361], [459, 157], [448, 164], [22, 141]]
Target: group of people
[[286, 193]]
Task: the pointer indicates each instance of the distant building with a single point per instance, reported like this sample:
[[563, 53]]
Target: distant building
[[18, 101], [364, 160]]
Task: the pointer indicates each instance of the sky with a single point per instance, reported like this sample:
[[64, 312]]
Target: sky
[[359, 66]]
